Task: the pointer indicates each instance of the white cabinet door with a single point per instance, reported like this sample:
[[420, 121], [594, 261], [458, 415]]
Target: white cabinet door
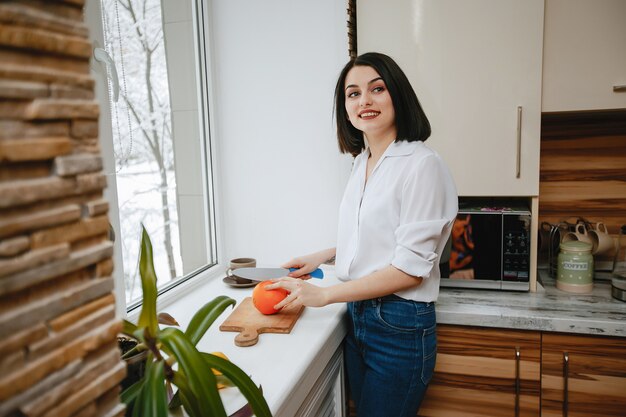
[[326, 398], [472, 64], [584, 55]]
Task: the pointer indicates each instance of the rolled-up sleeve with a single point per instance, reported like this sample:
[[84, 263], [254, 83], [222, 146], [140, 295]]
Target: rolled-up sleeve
[[429, 205]]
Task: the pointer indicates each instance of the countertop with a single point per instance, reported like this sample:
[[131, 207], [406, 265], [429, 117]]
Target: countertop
[[285, 365], [549, 309]]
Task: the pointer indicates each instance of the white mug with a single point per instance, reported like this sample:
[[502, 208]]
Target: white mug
[[602, 241], [240, 263]]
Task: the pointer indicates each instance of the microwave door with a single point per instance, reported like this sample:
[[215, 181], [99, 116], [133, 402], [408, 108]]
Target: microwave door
[[476, 253], [487, 233]]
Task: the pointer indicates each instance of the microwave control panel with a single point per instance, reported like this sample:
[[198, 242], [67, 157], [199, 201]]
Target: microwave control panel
[[515, 247]]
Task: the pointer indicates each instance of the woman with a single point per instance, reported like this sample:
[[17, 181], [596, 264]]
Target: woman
[[394, 220]]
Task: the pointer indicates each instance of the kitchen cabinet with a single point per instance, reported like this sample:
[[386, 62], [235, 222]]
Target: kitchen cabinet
[[583, 376], [484, 372], [584, 55], [502, 372], [327, 397], [476, 67]]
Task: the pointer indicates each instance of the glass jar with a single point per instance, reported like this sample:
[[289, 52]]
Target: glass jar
[[575, 267], [619, 262]]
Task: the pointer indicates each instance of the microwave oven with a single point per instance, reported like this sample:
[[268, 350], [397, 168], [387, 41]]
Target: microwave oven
[[489, 247]]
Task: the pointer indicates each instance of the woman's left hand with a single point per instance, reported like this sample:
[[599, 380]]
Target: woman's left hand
[[301, 293]]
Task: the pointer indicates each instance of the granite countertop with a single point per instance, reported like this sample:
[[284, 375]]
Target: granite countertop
[[549, 309]]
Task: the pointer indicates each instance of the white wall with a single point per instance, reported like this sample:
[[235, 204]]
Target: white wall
[[279, 173]]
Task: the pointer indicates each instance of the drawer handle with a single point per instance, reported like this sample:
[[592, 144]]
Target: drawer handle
[[565, 383], [518, 160], [619, 88], [517, 380]]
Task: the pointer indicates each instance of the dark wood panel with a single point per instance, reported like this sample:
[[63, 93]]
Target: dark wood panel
[[602, 174], [595, 145], [444, 401], [583, 167], [596, 377], [475, 374], [583, 123], [486, 342]]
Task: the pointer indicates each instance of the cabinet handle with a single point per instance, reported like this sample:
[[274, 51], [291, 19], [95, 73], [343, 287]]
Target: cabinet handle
[[518, 162], [619, 88], [517, 380], [565, 383]]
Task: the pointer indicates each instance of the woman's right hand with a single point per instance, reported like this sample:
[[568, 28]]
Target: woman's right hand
[[307, 263]]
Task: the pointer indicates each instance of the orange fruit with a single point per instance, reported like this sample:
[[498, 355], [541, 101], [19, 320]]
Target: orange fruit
[[265, 300]]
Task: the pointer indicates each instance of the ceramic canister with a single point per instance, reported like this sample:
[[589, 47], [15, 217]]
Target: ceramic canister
[[575, 267]]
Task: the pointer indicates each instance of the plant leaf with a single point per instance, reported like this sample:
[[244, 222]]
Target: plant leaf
[[152, 401], [165, 318], [140, 347], [148, 316], [201, 381], [183, 395], [130, 394], [128, 328], [242, 381], [175, 402], [222, 382], [205, 316]]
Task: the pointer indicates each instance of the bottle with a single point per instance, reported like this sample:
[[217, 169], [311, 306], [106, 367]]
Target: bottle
[[619, 262]]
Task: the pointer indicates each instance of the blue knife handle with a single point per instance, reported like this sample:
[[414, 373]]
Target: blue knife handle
[[318, 273]]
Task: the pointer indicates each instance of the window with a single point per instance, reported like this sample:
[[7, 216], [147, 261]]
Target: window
[[161, 175]]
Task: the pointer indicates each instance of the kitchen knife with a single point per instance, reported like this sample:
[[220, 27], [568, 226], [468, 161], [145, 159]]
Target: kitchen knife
[[262, 274]]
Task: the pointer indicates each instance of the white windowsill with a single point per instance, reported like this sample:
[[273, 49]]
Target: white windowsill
[[285, 365]]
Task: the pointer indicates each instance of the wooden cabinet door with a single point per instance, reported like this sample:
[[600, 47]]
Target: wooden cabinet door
[[472, 64], [595, 376], [479, 373]]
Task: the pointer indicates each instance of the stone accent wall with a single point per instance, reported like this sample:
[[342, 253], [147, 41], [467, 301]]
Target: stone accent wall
[[58, 344]]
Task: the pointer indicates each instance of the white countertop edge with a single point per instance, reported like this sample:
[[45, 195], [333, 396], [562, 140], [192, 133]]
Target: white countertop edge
[[294, 399]]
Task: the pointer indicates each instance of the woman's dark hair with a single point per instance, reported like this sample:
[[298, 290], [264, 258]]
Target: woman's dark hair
[[411, 122]]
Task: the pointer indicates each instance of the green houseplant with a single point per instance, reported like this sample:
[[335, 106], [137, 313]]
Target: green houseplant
[[172, 359]]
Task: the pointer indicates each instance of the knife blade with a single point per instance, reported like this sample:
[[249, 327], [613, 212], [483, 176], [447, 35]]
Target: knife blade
[[262, 274]]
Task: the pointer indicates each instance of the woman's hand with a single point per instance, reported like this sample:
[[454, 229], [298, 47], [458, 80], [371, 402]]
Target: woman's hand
[[308, 263], [300, 293]]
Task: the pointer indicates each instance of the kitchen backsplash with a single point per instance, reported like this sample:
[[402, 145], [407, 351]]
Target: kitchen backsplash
[[583, 168]]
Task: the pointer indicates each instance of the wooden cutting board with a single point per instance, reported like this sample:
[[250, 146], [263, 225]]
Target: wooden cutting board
[[247, 320]]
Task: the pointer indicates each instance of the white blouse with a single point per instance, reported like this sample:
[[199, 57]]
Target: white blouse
[[401, 217]]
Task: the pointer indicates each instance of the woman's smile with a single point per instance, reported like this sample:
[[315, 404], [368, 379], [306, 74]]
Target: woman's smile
[[368, 114]]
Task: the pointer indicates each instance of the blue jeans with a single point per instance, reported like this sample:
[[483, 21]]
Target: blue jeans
[[390, 353]]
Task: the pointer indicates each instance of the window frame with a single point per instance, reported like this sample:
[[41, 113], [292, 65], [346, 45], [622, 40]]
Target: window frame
[[202, 64], [203, 74]]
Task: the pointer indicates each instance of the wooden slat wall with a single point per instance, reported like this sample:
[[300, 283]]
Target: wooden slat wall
[[58, 329], [583, 167]]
